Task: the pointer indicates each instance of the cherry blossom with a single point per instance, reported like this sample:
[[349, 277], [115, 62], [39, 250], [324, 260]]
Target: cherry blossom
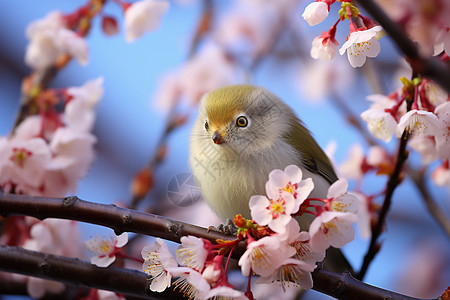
[[381, 124], [443, 137], [315, 13], [361, 44], [105, 249], [193, 252], [441, 176], [419, 123], [341, 200], [351, 168], [191, 283], [426, 146], [289, 185], [364, 217], [79, 113], [332, 228], [157, 259], [442, 42], [226, 292], [323, 47], [143, 16], [53, 236], [292, 271], [23, 162], [108, 295], [264, 256], [49, 39], [276, 213]]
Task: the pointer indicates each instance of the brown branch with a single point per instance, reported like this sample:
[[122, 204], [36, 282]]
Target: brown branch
[[78, 272], [394, 180], [429, 67], [135, 283], [117, 218]]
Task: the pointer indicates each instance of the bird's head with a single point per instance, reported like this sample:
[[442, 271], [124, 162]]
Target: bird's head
[[243, 118]]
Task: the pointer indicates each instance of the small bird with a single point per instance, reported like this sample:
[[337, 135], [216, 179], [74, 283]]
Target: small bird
[[241, 134]]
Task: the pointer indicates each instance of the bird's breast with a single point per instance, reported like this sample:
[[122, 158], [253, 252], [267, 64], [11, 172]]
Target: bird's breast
[[228, 179]]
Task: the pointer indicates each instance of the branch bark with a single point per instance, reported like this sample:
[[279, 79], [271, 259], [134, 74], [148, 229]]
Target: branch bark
[[18, 260], [135, 283]]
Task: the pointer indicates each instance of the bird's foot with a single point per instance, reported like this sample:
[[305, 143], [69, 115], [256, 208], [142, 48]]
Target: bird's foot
[[227, 228]]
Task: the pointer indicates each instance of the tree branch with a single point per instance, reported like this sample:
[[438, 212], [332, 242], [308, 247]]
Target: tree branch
[[392, 183], [117, 218], [78, 272], [135, 283], [16, 259], [429, 67]]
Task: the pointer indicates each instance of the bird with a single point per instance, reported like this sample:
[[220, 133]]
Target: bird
[[241, 134]]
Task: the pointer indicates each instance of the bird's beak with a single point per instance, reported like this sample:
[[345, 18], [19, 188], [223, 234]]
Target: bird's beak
[[217, 138]]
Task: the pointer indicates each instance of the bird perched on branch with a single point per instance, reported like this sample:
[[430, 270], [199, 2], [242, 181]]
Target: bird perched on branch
[[241, 134]]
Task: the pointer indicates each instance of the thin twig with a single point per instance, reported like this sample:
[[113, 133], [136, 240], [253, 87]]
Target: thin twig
[[135, 283], [392, 183], [428, 67]]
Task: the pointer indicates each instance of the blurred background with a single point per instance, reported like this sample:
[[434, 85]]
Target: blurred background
[[132, 115]]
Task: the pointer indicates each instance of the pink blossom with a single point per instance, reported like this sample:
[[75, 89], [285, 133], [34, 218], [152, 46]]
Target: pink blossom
[[443, 137], [29, 128], [304, 251], [441, 176], [289, 185], [193, 252], [37, 287], [264, 256], [292, 271], [191, 283], [315, 13], [226, 292], [107, 295], [79, 113], [53, 236], [206, 71], [49, 39], [23, 162], [105, 249], [276, 213], [247, 30], [364, 217], [426, 147], [143, 16], [362, 44], [351, 168], [332, 228], [323, 48], [341, 200], [157, 259], [419, 123], [380, 123]]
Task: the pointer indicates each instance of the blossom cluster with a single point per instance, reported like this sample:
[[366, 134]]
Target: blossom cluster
[[50, 151], [61, 34], [362, 42], [427, 121], [277, 249]]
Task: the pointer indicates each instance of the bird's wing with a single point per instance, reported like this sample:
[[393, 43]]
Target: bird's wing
[[312, 156]]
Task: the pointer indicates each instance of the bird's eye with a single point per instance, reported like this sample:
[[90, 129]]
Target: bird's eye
[[241, 121], [206, 125]]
